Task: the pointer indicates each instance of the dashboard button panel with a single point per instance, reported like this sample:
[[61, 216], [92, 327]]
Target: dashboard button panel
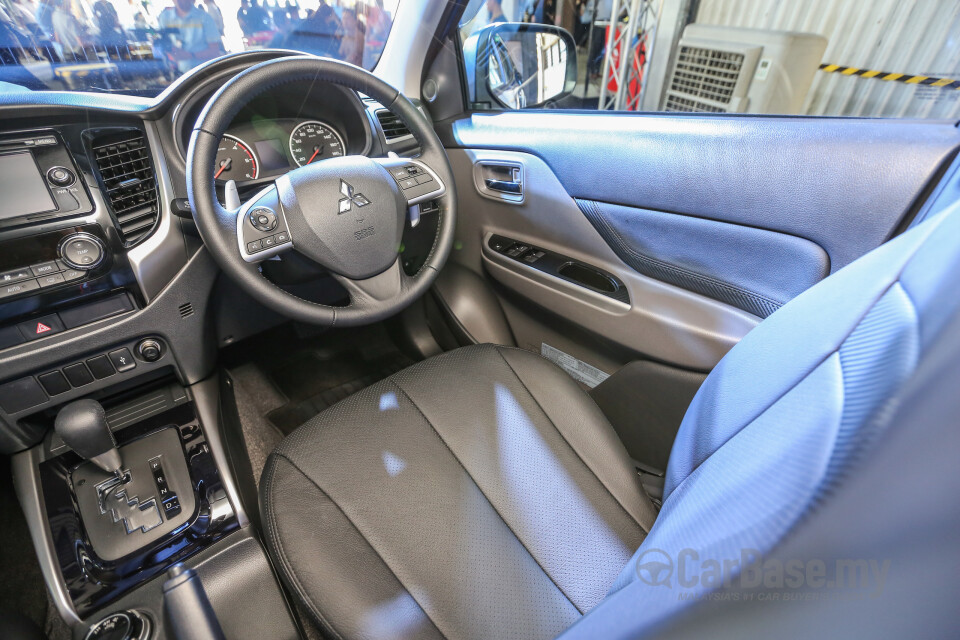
[[101, 367], [45, 268], [81, 251], [78, 374], [123, 360], [10, 290], [41, 327], [15, 275], [54, 383]]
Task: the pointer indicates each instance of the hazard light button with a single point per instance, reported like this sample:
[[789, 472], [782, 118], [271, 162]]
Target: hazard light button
[[41, 327]]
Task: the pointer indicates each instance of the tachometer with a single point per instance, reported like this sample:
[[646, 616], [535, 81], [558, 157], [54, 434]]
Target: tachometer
[[235, 160], [311, 141]]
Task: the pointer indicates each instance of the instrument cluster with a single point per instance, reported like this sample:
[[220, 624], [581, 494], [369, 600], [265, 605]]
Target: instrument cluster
[[263, 148]]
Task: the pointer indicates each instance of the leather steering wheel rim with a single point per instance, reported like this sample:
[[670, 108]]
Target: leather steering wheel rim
[[372, 297]]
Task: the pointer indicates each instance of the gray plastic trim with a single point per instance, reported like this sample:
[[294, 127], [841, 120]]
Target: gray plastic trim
[[26, 480], [206, 396], [156, 260]]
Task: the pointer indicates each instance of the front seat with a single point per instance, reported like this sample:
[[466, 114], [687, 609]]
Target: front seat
[[482, 494]]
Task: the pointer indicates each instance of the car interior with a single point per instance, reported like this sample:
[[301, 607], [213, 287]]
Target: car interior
[[304, 348]]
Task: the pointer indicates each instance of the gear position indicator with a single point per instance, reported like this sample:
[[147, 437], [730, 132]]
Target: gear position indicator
[[171, 504]]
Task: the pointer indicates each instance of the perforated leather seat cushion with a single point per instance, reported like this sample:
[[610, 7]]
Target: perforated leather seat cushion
[[478, 494]]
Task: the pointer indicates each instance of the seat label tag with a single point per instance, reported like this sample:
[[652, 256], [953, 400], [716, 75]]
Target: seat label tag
[[577, 369]]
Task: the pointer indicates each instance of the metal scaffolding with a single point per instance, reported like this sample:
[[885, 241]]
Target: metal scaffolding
[[630, 37]]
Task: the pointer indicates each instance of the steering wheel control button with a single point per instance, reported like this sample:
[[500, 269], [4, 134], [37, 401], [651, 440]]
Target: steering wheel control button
[[45, 268], [61, 177], [41, 327], [81, 251], [122, 360], [150, 350], [263, 219], [407, 183], [282, 237], [269, 242], [255, 246]]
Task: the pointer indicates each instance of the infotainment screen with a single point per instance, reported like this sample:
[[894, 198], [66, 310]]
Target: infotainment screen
[[23, 187]]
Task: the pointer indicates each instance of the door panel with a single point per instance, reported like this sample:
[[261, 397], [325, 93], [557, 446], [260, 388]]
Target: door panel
[[728, 262], [710, 222], [842, 183], [661, 321]]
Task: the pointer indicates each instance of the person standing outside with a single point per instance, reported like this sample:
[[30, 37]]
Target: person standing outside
[[495, 10], [194, 32], [214, 12]]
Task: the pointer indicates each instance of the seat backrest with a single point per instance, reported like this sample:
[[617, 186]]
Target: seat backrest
[[784, 416]]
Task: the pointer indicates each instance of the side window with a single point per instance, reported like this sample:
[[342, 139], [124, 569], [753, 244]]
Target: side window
[[896, 58]]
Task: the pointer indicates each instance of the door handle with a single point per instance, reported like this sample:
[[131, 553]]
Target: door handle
[[506, 186], [500, 179]]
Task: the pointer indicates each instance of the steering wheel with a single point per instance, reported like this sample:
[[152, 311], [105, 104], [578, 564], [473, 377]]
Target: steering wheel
[[345, 213]]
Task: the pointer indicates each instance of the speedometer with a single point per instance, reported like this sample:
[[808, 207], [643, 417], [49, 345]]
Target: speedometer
[[235, 160], [311, 141]]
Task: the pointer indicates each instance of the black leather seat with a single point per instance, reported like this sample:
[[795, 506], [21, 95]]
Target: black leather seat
[[481, 493]]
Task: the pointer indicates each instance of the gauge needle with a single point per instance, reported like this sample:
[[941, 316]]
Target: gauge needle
[[223, 167], [316, 150]]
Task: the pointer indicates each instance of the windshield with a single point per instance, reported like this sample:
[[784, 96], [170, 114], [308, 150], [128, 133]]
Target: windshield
[[141, 46]]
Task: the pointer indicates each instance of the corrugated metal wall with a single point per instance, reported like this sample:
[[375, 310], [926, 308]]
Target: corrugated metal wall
[[914, 37]]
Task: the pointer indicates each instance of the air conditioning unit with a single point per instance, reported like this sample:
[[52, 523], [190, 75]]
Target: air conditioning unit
[[738, 70]]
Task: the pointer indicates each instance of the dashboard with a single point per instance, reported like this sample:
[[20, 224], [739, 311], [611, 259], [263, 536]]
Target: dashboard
[[98, 250]]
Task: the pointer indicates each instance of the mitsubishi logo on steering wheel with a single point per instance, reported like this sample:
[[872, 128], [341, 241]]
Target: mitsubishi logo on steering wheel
[[350, 198]]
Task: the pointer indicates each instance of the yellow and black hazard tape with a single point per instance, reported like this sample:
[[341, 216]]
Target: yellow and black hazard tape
[[944, 83]]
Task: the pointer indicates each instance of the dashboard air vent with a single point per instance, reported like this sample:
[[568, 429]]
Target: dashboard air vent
[[129, 183], [393, 127]]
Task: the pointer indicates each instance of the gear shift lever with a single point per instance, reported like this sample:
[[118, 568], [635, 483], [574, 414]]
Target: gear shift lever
[[83, 427]]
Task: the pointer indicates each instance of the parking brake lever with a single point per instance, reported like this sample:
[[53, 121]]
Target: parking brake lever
[[186, 607]]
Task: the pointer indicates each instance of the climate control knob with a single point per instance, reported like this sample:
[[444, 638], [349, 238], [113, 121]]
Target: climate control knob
[[82, 251]]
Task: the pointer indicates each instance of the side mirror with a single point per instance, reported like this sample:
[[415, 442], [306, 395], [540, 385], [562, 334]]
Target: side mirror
[[519, 65]]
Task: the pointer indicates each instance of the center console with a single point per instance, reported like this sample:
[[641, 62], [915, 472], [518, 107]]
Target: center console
[[166, 501], [103, 303]]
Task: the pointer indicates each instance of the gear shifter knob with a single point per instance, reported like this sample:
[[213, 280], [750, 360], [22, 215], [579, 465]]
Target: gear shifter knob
[[83, 427]]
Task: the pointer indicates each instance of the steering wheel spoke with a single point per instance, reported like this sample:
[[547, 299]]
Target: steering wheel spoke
[[374, 291], [262, 229]]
